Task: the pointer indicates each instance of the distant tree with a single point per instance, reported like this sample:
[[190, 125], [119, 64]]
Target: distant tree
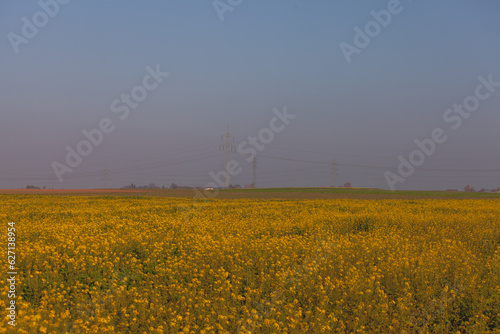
[[173, 186], [468, 188], [347, 185], [29, 186]]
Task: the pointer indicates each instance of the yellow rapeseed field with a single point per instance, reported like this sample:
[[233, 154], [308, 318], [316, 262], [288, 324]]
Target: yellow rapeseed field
[[142, 265]]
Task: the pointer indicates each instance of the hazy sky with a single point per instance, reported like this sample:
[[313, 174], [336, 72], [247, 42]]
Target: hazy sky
[[67, 67]]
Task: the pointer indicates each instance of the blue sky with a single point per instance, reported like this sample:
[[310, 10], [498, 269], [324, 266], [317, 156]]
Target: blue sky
[[263, 55]]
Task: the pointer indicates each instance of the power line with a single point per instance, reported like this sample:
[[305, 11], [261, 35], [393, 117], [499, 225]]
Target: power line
[[378, 156], [135, 165], [385, 167], [298, 160]]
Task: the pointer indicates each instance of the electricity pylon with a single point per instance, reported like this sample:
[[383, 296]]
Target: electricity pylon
[[106, 177], [227, 147], [334, 172], [254, 176]]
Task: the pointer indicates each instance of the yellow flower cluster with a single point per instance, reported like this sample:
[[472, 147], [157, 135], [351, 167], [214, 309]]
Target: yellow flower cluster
[[137, 265]]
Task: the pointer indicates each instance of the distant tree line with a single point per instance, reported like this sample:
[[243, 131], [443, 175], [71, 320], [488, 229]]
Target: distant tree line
[[172, 186], [29, 186], [469, 188]]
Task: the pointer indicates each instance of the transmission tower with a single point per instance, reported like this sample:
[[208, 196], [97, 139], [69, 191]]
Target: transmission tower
[[106, 177], [227, 147], [334, 172], [254, 176]]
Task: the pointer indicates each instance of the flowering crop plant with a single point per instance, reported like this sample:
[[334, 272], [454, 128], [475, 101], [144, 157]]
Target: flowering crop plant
[[105, 264]]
